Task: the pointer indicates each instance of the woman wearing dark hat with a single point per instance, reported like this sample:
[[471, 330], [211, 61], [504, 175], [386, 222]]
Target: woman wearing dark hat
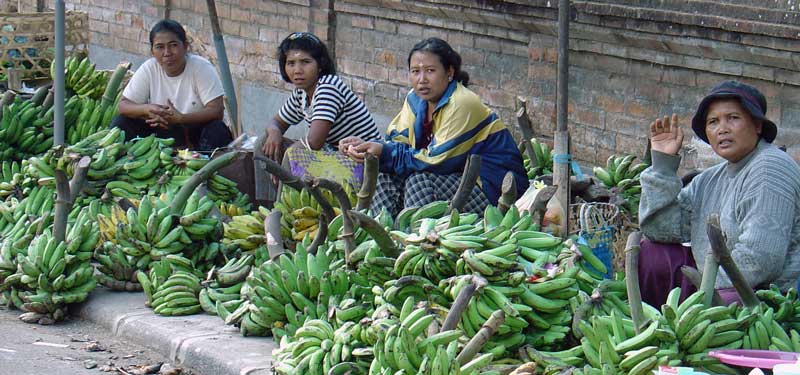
[[756, 193]]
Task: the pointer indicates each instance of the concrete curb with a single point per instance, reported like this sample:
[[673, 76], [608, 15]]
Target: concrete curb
[[200, 342]]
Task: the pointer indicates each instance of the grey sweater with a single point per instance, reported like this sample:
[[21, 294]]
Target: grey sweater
[[757, 199]]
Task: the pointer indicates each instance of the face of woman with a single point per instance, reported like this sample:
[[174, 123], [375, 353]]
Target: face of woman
[[731, 131], [170, 52], [428, 76], [302, 69]]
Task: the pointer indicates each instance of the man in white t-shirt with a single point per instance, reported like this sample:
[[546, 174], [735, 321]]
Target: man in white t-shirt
[[174, 95]]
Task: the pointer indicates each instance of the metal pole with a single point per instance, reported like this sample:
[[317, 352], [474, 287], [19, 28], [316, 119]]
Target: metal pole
[[561, 139], [58, 80], [224, 68]]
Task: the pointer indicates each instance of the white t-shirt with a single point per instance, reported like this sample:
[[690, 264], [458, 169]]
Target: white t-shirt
[[189, 92]]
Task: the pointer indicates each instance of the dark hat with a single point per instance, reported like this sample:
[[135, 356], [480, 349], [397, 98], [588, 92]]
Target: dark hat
[[751, 99]]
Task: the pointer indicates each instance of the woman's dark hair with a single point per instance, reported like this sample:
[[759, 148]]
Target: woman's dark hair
[[447, 56], [309, 43], [169, 26]]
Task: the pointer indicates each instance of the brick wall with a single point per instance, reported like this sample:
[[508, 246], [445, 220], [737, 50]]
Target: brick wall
[[630, 61]]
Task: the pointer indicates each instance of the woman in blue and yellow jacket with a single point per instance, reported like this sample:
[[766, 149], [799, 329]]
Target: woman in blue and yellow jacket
[[442, 122]]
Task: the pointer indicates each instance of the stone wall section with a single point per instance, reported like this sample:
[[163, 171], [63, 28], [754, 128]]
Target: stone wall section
[[630, 61]]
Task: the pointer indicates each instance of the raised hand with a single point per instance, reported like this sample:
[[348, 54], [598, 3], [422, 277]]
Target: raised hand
[[666, 135]]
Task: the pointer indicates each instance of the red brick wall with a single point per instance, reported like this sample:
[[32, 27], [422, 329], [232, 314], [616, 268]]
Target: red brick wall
[[629, 63]]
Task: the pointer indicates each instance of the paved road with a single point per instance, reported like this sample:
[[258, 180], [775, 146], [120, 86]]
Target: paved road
[[64, 348]]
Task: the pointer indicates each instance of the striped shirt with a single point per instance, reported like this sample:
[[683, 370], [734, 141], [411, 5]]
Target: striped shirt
[[333, 101], [757, 199]]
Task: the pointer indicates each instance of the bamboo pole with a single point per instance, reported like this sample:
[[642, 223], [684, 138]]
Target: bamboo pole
[[561, 144]]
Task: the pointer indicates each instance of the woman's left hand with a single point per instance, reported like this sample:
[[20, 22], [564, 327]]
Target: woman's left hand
[[359, 152]]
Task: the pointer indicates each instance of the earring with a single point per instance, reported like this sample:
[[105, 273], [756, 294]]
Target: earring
[[450, 79]]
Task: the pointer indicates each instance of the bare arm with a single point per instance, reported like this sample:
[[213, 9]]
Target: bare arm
[[318, 133]]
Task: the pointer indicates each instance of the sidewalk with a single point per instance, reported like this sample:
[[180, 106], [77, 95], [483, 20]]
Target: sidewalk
[[200, 342]]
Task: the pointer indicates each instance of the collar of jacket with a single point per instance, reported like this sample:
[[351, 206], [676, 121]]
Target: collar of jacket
[[420, 108]]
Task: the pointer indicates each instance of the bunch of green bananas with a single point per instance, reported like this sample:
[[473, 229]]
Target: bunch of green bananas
[[86, 116], [620, 171], [544, 160], [11, 179], [26, 129], [294, 286], [181, 163], [786, 306], [53, 274], [118, 269], [246, 231], [221, 188], [319, 349], [171, 293], [223, 286], [82, 78]]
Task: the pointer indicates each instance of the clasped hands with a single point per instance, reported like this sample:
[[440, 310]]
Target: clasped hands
[[357, 149], [161, 116]]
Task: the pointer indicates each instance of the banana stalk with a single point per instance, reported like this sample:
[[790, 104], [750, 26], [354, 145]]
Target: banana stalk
[[369, 182], [723, 256], [376, 231], [710, 269], [508, 192], [347, 220], [459, 305], [66, 192], [468, 179], [632, 280], [479, 340], [112, 88], [199, 177], [274, 238]]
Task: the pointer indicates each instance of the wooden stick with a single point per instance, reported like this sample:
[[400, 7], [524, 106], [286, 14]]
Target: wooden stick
[[348, 233], [632, 280], [508, 192], [459, 305], [479, 340], [272, 228], [524, 123], [723, 256], [377, 232], [369, 183], [471, 173], [710, 270]]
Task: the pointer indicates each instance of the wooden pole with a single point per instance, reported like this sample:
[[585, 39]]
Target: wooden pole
[[561, 144]]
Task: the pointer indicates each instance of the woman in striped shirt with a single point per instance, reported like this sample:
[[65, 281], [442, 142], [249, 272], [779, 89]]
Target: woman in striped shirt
[[320, 98]]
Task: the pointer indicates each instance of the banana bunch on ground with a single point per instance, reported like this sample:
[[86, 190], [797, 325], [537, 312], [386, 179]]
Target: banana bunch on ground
[[246, 231], [82, 78], [171, 293], [395, 291], [141, 166], [26, 129], [54, 274], [318, 349], [287, 290], [544, 160], [222, 288], [405, 346], [118, 269]]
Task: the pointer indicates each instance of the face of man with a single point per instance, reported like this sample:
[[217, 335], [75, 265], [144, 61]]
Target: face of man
[[730, 129]]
